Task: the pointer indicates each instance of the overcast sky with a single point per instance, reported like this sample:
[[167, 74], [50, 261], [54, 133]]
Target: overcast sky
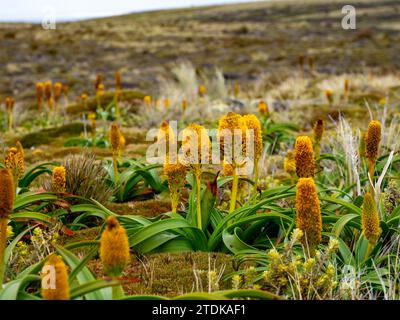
[[66, 10]]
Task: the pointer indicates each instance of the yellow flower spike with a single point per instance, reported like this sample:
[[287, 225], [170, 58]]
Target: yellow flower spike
[[9, 102], [84, 98], [147, 101], [202, 90], [7, 195], [196, 139], [176, 177], [50, 103], [382, 101], [254, 124], [57, 91], [122, 143], [14, 161], [233, 124], [346, 88], [167, 103], [48, 88], [304, 157], [372, 140], [329, 95], [318, 130], [93, 123], [118, 80], [115, 140], [59, 179], [197, 146], [166, 136], [184, 105], [263, 108], [100, 90], [57, 288], [114, 248], [289, 163], [227, 169], [370, 220], [39, 94], [308, 212], [98, 81], [66, 90]]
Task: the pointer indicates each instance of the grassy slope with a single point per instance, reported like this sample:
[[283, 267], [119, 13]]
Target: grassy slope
[[244, 40]]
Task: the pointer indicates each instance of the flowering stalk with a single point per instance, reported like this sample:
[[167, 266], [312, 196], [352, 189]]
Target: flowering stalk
[[7, 195], [114, 252], [263, 109], [254, 124], [232, 124], [318, 130], [304, 157], [61, 290], [176, 177], [99, 94], [57, 93], [115, 139], [372, 140], [59, 180], [329, 96], [14, 161], [48, 89], [39, 94], [118, 89], [308, 213], [147, 101], [370, 221], [10, 107], [196, 144], [66, 93], [93, 123]]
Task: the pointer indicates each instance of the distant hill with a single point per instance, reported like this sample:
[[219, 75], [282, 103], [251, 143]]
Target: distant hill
[[245, 40]]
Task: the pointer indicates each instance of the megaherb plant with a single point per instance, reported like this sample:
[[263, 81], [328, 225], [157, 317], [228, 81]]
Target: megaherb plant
[[130, 179], [64, 276], [202, 225], [136, 180]]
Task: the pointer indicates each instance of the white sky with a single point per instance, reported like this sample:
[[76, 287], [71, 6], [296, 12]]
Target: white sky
[[65, 10]]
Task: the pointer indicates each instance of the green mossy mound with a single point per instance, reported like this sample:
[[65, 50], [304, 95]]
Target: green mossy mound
[[46, 136], [171, 274], [148, 208]]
